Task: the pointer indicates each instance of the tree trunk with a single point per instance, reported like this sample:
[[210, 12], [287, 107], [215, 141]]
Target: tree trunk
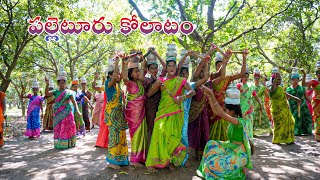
[[4, 85], [23, 106]]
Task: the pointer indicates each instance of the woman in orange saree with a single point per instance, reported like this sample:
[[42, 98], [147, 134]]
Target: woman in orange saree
[[218, 126]]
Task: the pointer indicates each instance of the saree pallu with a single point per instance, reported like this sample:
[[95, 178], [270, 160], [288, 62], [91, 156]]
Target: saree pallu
[[102, 139], [48, 115], [135, 115], [310, 94], [79, 118], [186, 109], [316, 108], [261, 122], [303, 123], [218, 126], [282, 117], [166, 146], [198, 128], [33, 116], [2, 96], [267, 106], [247, 94], [117, 125], [97, 109], [64, 126], [226, 160]]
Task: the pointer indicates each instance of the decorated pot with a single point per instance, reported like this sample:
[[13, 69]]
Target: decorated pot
[[172, 46]]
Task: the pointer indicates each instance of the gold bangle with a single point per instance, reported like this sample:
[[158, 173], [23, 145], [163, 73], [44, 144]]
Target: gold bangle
[[215, 104]]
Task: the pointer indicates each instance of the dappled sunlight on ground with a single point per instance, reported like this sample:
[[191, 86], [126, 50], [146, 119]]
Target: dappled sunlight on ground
[[22, 158], [297, 161]]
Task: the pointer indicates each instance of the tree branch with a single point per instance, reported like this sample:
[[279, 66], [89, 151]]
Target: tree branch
[[210, 19], [268, 59], [256, 28], [8, 10], [57, 44], [134, 5], [312, 22], [2, 76], [45, 49], [225, 20], [195, 35]]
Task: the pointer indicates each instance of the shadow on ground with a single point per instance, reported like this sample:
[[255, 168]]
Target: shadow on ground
[[22, 158]]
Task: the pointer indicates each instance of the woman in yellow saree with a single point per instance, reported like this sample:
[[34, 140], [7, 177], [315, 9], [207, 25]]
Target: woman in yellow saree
[[282, 117], [166, 146]]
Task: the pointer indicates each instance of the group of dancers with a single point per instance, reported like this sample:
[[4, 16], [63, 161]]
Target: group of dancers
[[211, 118]]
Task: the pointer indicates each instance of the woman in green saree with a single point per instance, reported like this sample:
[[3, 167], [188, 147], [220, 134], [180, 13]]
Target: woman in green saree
[[248, 93], [302, 116], [261, 122], [227, 159], [166, 146]]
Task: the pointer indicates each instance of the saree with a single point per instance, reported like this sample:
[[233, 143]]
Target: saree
[[261, 122], [117, 125], [186, 109], [97, 109], [282, 117], [135, 115], [166, 146], [218, 126], [64, 127], [2, 96], [267, 105], [310, 94], [85, 110], [316, 108], [198, 128], [227, 159], [48, 115], [103, 135], [303, 122], [79, 118], [33, 116], [247, 94], [152, 104]]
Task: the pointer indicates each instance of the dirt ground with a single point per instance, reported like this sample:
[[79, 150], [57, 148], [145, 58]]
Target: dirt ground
[[22, 158]]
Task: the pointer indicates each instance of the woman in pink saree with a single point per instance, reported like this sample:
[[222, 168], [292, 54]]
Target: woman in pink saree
[[64, 126], [33, 112], [135, 111]]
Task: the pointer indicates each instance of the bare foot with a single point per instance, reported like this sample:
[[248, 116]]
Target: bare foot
[[136, 164], [171, 167], [113, 166], [152, 169], [187, 164]]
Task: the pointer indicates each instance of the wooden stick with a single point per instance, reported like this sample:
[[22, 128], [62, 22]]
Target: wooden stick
[[237, 52], [218, 49], [298, 110], [260, 114], [198, 56]]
